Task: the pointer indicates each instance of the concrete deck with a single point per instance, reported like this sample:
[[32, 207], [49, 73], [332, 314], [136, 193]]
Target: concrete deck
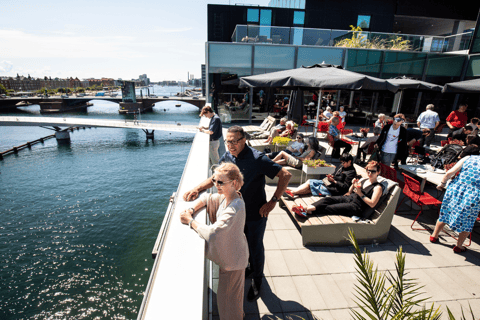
[[318, 282]]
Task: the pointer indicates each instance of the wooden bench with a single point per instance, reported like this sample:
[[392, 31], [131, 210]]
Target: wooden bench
[[266, 126], [321, 230]]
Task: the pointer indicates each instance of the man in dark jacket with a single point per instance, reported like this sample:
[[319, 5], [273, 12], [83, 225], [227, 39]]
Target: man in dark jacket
[[392, 142], [338, 183]]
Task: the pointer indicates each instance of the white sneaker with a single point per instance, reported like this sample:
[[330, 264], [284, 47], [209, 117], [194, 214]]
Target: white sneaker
[[355, 218]]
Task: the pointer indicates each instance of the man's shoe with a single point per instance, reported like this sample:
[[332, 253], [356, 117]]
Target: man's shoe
[[254, 291]]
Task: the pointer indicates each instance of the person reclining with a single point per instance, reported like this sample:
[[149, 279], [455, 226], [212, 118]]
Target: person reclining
[[288, 132], [284, 158], [362, 195], [338, 184], [279, 128]]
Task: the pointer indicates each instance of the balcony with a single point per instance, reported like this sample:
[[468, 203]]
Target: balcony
[[330, 37]]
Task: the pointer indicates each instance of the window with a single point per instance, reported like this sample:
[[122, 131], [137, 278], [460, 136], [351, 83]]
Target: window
[[298, 18], [364, 22], [253, 15], [265, 17]]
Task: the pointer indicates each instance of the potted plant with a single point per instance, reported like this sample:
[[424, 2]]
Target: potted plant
[[317, 167]]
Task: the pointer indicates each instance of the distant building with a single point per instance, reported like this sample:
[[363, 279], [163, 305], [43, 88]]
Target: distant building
[[144, 80], [22, 83]]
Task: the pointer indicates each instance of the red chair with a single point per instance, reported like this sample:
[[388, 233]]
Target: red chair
[[388, 172], [443, 143], [305, 123], [411, 190], [323, 127], [413, 155]]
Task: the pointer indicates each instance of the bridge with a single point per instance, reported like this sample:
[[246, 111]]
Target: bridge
[[57, 123], [74, 103]]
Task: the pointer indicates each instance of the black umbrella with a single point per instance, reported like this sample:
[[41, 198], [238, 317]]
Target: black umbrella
[[319, 76], [404, 83], [467, 86]]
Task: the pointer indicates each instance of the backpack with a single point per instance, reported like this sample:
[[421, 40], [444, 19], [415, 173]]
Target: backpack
[[447, 155]]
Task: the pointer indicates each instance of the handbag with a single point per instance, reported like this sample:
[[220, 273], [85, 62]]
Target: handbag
[[375, 156]]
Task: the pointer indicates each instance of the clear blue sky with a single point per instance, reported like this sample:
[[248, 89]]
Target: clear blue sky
[[117, 39]]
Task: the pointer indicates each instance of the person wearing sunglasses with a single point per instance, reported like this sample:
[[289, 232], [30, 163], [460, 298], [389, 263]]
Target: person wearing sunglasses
[[360, 200], [255, 166], [226, 242], [392, 141]]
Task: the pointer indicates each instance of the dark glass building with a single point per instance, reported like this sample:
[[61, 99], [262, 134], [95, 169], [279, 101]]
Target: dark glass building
[[443, 39]]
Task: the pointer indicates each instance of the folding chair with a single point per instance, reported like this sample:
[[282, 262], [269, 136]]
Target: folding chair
[[411, 190]]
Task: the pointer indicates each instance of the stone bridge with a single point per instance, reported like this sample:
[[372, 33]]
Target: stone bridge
[[73, 103]]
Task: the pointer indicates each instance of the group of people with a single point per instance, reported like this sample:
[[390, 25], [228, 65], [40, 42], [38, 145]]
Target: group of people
[[239, 211]]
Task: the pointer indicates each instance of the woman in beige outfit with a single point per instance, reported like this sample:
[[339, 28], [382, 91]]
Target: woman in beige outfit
[[226, 244]]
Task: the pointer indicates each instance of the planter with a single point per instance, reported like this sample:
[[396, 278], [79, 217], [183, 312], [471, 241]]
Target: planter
[[317, 170]]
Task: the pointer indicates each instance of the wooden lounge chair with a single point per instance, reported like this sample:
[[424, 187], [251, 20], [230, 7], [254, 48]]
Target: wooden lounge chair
[[333, 230], [266, 126]]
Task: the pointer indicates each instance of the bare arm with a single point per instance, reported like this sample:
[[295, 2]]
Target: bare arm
[[377, 193], [283, 179], [453, 171], [193, 194]]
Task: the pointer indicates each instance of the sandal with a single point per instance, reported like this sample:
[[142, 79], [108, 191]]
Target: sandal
[[459, 250], [300, 210], [433, 239], [288, 194]]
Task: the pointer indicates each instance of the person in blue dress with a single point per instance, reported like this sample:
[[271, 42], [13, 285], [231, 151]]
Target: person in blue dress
[[461, 203]]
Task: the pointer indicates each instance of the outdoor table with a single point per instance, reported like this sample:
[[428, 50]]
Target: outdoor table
[[422, 171], [315, 171], [359, 139]]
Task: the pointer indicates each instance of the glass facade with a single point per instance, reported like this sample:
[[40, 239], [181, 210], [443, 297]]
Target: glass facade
[[308, 56], [228, 58], [473, 69], [273, 58], [364, 61], [407, 64]]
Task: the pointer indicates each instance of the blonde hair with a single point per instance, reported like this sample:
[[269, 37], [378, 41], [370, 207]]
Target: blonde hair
[[232, 172], [290, 123]]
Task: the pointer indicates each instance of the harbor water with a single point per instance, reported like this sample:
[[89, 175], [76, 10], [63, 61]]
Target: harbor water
[[79, 221]]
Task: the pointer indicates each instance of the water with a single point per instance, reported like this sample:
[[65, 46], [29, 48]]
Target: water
[[79, 221]]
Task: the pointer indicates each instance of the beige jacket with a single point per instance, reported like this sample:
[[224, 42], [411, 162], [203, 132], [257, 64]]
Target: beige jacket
[[225, 241]]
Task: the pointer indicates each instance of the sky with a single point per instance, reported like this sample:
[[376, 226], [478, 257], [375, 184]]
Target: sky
[[164, 39]]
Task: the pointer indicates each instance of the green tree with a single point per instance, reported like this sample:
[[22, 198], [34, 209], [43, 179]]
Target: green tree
[[2, 89]]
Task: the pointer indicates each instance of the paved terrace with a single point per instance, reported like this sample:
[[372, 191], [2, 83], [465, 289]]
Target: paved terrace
[[318, 282]]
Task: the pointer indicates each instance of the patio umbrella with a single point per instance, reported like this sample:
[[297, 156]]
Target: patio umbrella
[[467, 86], [295, 106], [319, 76], [404, 83]]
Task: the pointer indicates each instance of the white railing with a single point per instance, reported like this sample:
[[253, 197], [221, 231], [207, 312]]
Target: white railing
[[178, 284]]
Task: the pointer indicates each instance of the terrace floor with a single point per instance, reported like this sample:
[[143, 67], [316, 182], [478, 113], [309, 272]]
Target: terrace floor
[[318, 282]]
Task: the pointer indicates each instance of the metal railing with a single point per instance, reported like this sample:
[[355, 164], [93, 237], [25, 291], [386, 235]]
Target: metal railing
[[331, 37]]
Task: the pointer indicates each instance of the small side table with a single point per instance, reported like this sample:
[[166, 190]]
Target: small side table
[[315, 171]]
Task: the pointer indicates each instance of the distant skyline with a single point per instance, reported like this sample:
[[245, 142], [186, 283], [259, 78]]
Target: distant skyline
[[121, 39]]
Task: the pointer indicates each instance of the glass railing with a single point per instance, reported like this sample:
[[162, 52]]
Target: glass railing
[[363, 39]]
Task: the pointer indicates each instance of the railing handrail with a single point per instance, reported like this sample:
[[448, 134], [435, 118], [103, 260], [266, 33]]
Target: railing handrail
[[442, 39]]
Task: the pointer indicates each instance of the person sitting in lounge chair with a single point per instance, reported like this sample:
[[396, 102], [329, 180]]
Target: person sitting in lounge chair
[[362, 195], [288, 132], [284, 158], [337, 184]]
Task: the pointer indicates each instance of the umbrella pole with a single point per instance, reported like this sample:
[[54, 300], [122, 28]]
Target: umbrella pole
[[318, 110], [251, 106]]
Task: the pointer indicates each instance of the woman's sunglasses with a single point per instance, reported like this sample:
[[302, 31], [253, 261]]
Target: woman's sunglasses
[[372, 171], [219, 182]]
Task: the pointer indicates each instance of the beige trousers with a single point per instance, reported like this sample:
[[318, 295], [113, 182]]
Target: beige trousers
[[230, 294]]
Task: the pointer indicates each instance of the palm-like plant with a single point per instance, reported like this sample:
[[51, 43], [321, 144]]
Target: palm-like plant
[[386, 296]]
